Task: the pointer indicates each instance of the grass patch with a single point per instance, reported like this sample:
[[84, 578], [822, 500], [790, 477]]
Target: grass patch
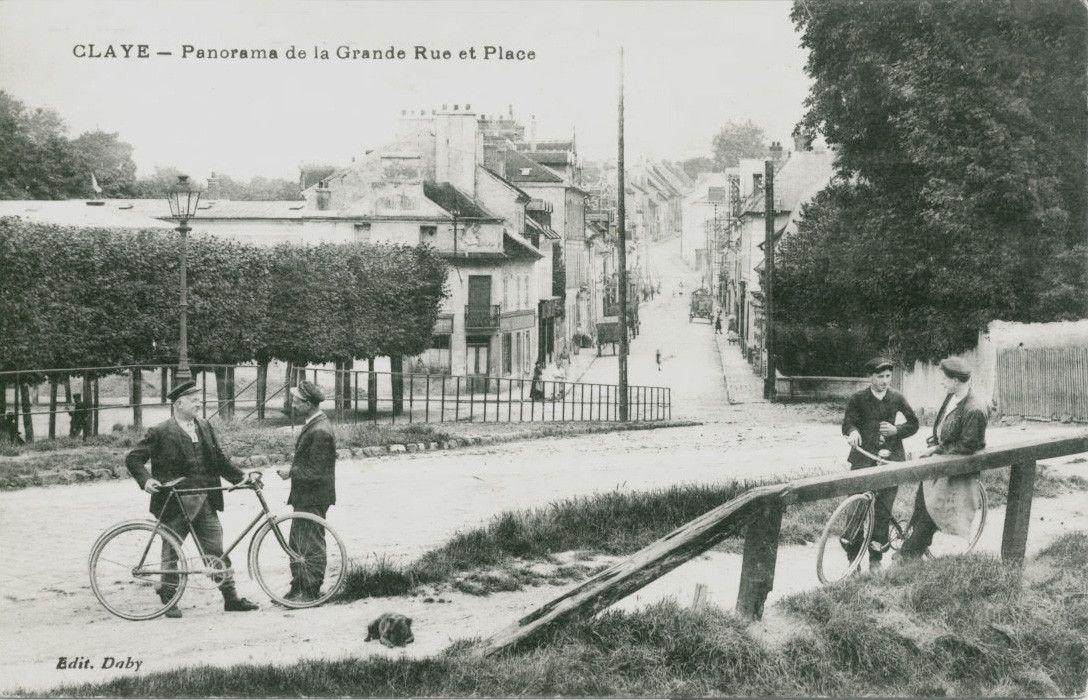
[[494, 557], [491, 558], [921, 629]]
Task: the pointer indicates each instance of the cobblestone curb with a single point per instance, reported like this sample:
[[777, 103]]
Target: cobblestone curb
[[258, 461]]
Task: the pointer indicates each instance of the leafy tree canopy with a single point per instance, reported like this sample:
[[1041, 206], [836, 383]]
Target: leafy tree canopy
[[735, 141], [961, 136]]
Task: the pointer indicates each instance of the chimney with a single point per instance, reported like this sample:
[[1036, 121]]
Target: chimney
[[214, 189], [324, 195], [776, 151]]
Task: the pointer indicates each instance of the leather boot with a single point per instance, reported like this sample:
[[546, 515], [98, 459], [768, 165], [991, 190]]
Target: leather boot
[[233, 603], [171, 612]]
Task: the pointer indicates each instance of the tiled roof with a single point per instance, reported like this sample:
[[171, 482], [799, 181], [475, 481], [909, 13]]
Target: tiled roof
[[547, 146], [516, 248], [520, 168], [450, 198], [550, 157], [76, 212]]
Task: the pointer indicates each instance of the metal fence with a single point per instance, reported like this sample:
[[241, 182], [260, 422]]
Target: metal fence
[[135, 395], [1050, 383]]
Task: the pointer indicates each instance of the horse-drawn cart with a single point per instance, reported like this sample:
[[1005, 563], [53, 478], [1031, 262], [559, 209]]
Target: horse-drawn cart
[[702, 305]]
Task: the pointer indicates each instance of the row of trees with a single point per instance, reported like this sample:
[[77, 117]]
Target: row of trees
[[39, 161], [72, 298], [961, 138]]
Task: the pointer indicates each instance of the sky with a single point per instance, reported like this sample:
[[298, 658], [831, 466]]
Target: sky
[[689, 68]]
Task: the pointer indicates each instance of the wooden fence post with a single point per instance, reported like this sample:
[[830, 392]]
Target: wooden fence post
[[1018, 511], [760, 554], [137, 400]]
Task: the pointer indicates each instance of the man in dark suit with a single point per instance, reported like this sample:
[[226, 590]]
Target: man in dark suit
[[313, 490], [870, 424], [960, 429], [186, 446]]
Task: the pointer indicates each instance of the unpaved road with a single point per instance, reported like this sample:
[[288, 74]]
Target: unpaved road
[[399, 507]]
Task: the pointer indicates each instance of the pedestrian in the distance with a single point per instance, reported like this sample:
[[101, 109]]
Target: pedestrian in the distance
[[313, 490], [718, 324], [78, 416]]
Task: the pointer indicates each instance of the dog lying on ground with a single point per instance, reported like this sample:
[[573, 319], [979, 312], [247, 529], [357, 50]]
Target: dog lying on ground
[[391, 629]]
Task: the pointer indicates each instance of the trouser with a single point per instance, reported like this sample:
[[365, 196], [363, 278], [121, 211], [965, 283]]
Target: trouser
[[885, 498], [307, 538], [922, 528], [208, 531]]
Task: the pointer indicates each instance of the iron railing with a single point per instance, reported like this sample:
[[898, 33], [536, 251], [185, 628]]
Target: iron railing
[[482, 317], [135, 394]]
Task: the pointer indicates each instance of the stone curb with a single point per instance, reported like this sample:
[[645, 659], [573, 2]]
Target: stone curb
[[257, 461]]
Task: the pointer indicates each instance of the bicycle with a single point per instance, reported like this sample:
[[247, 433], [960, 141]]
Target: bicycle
[[127, 572], [851, 525]]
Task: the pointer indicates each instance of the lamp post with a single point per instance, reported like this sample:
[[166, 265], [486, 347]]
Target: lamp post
[[183, 198]]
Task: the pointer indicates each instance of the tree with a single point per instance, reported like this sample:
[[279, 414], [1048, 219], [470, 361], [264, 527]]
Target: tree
[[36, 158], [109, 159], [961, 149], [735, 141], [700, 164]]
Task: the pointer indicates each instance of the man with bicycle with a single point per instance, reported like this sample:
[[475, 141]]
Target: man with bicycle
[[186, 446], [313, 490], [870, 424]]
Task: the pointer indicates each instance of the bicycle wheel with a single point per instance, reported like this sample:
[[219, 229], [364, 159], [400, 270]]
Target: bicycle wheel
[[313, 557], [126, 569], [845, 539], [946, 545]]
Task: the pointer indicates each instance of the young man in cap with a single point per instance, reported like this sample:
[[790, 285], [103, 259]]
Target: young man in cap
[[870, 423], [186, 446], [313, 490], [948, 503]]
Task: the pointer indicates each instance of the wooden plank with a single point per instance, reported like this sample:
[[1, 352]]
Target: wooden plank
[[760, 556], [1018, 511], [625, 577], [820, 487]]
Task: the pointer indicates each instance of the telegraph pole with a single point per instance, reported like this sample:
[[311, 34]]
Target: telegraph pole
[[622, 259], [768, 271]]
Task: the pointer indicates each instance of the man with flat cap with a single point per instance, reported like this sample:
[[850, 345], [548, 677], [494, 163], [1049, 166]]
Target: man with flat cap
[[870, 423], [186, 446], [313, 490], [949, 503]]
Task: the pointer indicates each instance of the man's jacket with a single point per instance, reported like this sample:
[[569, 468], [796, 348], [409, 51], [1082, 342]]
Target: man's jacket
[[173, 454], [313, 469]]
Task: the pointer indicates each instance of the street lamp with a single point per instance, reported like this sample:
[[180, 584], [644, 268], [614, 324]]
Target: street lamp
[[183, 198]]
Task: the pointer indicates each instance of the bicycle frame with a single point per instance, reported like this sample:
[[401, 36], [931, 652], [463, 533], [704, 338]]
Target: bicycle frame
[[265, 516]]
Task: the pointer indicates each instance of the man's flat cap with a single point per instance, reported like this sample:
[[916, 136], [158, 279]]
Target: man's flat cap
[[309, 392], [956, 368], [878, 364], [181, 390]]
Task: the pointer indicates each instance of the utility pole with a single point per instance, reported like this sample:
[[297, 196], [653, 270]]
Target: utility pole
[[768, 271], [622, 259]]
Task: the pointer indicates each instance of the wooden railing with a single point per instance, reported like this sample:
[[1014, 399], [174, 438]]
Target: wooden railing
[[758, 514]]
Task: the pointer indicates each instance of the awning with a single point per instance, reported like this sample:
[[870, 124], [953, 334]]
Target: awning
[[515, 248], [546, 231]]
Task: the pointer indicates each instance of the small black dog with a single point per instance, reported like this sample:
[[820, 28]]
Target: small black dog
[[391, 629]]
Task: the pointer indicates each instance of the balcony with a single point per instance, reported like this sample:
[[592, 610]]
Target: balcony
[[482, 318]]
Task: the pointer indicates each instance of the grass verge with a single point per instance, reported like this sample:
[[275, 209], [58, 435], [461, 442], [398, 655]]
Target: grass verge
[[495, 557], [955, 626], [275, 438]]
